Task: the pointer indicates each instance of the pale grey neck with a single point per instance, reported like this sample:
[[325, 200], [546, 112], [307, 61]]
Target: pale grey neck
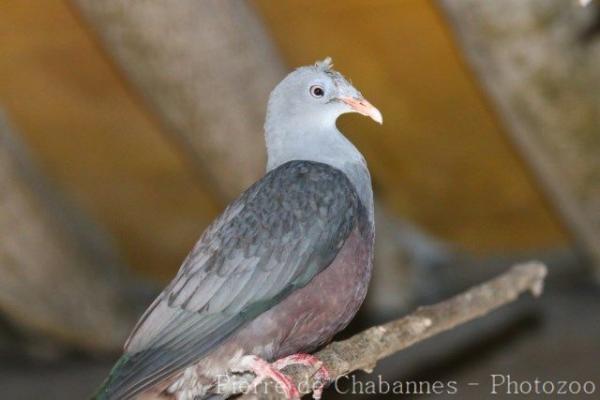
[[323, 144]]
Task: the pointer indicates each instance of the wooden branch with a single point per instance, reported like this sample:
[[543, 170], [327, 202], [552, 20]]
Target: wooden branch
[[541, 73], [206, 69], [59, 275], [363, 350]]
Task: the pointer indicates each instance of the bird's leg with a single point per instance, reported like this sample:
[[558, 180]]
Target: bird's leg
[[263, 370], [321, 376]]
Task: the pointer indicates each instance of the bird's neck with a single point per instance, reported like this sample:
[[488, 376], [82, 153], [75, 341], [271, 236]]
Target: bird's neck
[[324, 144]]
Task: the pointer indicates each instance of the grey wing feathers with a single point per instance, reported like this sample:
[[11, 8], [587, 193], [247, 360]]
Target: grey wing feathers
[[274, 238]]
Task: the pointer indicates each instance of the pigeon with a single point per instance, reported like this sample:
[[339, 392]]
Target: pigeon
[[280, 272]]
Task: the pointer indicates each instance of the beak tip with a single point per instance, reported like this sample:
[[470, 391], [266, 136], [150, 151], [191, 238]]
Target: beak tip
[[377, 117]]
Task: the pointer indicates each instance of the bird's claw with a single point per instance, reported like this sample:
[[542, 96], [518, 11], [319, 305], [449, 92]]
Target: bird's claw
[[263, 370], [308, 360]]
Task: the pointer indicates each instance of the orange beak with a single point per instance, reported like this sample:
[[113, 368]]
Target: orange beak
[[363, 107]]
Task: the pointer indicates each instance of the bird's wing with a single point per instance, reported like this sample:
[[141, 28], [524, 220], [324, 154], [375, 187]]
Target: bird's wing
[[273, 239]]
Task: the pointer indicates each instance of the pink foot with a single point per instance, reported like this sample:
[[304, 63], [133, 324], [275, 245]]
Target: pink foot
[[264, 370], [321, 376]]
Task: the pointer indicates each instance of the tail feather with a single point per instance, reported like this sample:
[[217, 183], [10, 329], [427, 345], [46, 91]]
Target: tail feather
[[104, 392]]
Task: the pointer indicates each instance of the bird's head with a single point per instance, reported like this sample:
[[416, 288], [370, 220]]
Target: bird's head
[[301, 117], [316, 94]]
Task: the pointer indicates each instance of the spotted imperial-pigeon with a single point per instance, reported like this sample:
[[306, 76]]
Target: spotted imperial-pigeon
[[284, 268]]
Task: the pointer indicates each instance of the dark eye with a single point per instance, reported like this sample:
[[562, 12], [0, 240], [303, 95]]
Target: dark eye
[[317, 91]]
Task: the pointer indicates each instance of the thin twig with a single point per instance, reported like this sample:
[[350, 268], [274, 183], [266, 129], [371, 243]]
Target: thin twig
[[363, 350]]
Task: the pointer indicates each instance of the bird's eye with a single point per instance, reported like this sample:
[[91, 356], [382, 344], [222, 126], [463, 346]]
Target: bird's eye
[[317, 91]]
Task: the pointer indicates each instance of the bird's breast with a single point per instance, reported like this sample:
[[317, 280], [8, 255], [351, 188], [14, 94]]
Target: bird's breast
[[310, 316]]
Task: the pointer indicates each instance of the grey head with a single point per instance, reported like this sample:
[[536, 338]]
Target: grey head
[[302, 113]]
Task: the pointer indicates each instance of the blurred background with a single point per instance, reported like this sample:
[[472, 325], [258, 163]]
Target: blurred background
[[126, 127]]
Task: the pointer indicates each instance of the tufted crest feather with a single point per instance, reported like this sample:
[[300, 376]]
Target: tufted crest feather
[[326, 65]]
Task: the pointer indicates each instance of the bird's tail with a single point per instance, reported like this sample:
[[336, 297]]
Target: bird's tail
[[103, 393]]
